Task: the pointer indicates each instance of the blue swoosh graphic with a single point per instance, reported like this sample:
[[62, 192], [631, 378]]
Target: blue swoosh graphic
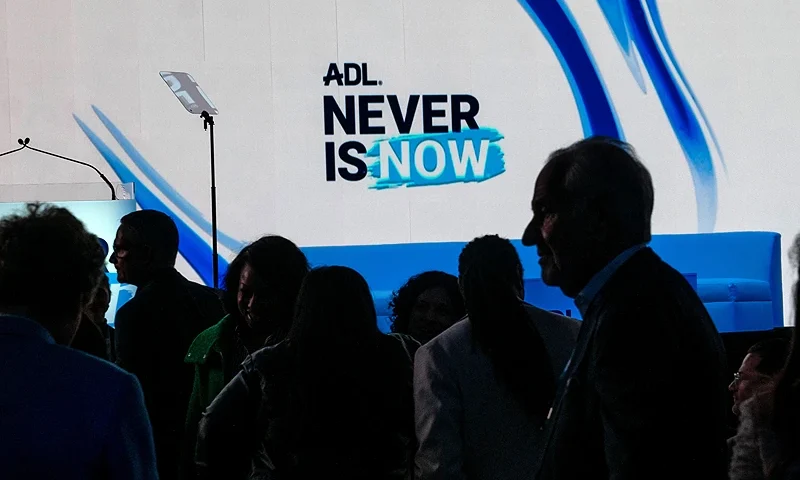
[[686, 126], [559, 27], [614, 11], [192, 247], [630, 26], [163, 186], [655, 14]]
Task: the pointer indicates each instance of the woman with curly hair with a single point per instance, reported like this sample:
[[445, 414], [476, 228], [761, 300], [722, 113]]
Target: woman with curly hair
[[427, 305]]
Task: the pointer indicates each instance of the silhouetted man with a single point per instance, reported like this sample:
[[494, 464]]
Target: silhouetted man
[[155, 329], [63, 414], [644, 393], [763, 361]]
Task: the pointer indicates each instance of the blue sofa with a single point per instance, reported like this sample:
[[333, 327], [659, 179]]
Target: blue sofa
[[737, 275]]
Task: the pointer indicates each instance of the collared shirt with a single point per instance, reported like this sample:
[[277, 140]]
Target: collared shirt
[[585, 298]]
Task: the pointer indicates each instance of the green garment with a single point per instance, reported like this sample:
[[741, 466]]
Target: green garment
[[216, 357]]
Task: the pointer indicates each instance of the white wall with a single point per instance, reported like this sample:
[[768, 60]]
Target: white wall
[[262, 63]]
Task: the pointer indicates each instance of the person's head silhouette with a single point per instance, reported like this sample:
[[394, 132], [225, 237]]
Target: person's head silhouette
[[426, 305], [490, 277], [592, 201], [146, 243], [261, 285], [48, 244]]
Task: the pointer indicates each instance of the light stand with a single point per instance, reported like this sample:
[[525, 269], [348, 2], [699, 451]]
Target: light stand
[[195, 101], [208, 124]]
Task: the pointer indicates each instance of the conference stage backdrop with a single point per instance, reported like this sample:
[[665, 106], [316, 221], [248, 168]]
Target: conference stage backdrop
[[364, 122]]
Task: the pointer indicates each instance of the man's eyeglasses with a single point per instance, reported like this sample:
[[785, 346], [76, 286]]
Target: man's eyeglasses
[[737, 377]]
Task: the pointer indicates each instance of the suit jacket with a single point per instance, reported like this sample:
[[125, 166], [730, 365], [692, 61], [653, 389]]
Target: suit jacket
[[153, 332], [65, 414], [468, 425], [644, 395]]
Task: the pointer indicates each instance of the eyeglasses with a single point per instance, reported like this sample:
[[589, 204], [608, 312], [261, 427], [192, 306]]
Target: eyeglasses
[[737, 377], [120, 252]]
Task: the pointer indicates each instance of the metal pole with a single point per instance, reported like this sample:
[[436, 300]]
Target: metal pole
[[208, 121]]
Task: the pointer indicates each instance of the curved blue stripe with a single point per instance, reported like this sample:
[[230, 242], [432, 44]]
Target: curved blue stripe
[[556, 23], [681, 118], [192, 247], [614, 11], [655, 14], [163, 186]]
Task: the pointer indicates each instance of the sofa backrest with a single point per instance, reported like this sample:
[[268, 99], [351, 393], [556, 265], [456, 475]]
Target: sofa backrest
[[754, 255], [750, 255], [722, 255]]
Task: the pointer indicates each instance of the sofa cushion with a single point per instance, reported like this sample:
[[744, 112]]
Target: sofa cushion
[[733, 290]]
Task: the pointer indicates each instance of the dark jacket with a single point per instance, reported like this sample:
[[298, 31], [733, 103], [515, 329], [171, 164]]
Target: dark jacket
[[153, 334], [216, 357], [242, 432], [644, 395], [67, 415]]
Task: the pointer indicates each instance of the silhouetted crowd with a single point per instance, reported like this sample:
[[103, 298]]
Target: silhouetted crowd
[[284, 374]]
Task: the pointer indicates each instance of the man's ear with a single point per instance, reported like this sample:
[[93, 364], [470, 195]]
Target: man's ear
[[596, 222], [146, 257]]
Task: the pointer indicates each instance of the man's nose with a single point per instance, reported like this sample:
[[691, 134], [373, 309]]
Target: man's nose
[[732, 386], [532, 235], [113, 258]]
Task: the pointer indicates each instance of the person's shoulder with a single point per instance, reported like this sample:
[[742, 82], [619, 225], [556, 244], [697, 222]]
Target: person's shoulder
[[645, 272], [453, 341], [401, 340], [203, 343], [200, 290], [459, 333], [209, 299], [546, 321], [138, 303], [540, 314], [269, 359], [648, 286], [82, 365]]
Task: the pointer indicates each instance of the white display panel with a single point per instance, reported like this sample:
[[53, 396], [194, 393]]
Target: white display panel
[[674, 72]]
